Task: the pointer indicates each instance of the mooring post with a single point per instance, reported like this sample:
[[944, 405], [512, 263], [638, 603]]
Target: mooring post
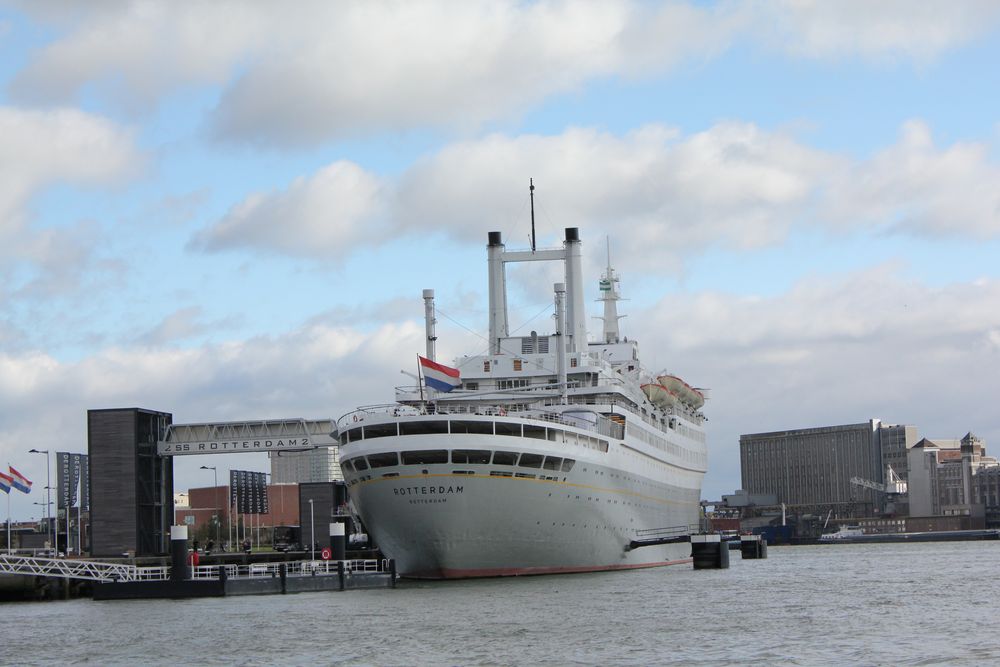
[[179, 568], [753, 546], [709, 552], [283, 573], [338, 541], [341, 574]]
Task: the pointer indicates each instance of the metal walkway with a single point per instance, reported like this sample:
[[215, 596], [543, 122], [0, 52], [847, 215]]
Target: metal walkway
[[108, 572], [267, 435], [652, 537], [79, 569]]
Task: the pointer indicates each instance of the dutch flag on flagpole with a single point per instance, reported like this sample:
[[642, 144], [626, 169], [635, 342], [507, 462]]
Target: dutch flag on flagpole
[[438, 376], [19, 481], [5, 482]]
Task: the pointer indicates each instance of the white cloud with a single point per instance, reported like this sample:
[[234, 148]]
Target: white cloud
[[41, 148], [337, 69], [918, 30], [135, 52], [916, 187], [733, 185], [327, 214], [333, 69]]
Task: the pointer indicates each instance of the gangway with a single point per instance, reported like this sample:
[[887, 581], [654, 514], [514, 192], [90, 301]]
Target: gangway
[[262, 435], [121, 572], [79, 569], [650, 537]]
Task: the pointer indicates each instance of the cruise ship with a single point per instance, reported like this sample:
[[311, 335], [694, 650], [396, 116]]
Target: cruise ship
[[547, 454]]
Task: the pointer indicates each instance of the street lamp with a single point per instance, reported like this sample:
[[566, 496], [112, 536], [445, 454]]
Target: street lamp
[[48, 502], [312, 521], [218, 507]]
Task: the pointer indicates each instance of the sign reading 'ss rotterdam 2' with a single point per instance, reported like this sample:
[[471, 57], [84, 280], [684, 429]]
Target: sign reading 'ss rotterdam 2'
[[223, 446]]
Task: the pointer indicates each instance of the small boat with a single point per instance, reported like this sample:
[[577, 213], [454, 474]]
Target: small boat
[[685, 392], [659, 395], [845, 533]]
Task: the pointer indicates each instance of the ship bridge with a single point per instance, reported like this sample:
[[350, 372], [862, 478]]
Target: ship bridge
[[262, 435]]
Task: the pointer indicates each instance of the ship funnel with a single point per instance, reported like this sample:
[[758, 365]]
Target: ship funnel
[[498, 292], [576, 318]]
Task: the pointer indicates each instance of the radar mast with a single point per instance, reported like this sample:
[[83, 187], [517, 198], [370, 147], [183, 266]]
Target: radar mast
[[610, 297]]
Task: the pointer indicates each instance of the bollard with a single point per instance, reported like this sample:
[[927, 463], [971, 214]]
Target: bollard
[[341, 574], [753, 546], [179, 568], [283, 574], [709, 552], [338, 541], [392, 572]]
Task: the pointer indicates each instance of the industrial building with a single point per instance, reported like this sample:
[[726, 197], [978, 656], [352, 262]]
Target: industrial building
[[812, 468], [954, 478], [845, 471]]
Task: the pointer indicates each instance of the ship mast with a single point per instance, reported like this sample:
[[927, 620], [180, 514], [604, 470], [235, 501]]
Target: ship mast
[[610, 297], [531, 190]]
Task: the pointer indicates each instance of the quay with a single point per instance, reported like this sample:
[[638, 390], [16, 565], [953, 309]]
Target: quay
[[27, 577], [253, 579], [182, 579]]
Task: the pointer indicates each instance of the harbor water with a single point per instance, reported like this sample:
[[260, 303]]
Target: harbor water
[[872, 604]]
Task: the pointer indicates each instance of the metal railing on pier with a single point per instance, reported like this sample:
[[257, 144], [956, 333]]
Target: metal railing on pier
[[292, 568], [79, 569], [109, 572]]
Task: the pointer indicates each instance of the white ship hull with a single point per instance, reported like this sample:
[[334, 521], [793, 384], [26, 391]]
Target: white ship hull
[[452, 520]]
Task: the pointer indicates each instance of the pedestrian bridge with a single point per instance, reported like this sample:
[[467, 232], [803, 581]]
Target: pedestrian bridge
[[78, 569], [109, 572], [263, 435]]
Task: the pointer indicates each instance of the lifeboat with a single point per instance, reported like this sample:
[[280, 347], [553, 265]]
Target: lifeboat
[[659, 395], [685, 392]]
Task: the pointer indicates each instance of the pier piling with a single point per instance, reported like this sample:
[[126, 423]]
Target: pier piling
[[753, 546], [179, 568], [709, 552]]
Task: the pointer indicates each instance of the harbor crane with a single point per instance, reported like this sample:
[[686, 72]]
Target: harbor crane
[[894, 484]]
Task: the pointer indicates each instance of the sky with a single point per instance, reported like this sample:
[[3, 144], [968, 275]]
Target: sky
[[228, 210]]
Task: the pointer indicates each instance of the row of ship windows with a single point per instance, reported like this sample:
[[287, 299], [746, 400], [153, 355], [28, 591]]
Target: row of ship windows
[[467, 456], [666, 445], [443, 426]]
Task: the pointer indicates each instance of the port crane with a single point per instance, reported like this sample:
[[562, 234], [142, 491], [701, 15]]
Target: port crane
[[893, 488], [894, 484]]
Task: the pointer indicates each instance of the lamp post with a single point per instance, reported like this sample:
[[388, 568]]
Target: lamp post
[[218, 508], [46, 506], [48, 503], [312, 522], [270, 516]]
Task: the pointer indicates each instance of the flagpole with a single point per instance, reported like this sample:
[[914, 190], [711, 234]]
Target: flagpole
[[420, 379], [8, 523]]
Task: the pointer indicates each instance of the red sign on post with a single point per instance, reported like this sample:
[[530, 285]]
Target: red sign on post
[[325, 554]]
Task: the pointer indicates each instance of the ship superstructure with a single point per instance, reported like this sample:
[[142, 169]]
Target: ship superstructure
[[551, 454]]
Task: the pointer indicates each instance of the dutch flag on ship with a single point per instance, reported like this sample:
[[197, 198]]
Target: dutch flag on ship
[[19, 481], [438, 376]]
